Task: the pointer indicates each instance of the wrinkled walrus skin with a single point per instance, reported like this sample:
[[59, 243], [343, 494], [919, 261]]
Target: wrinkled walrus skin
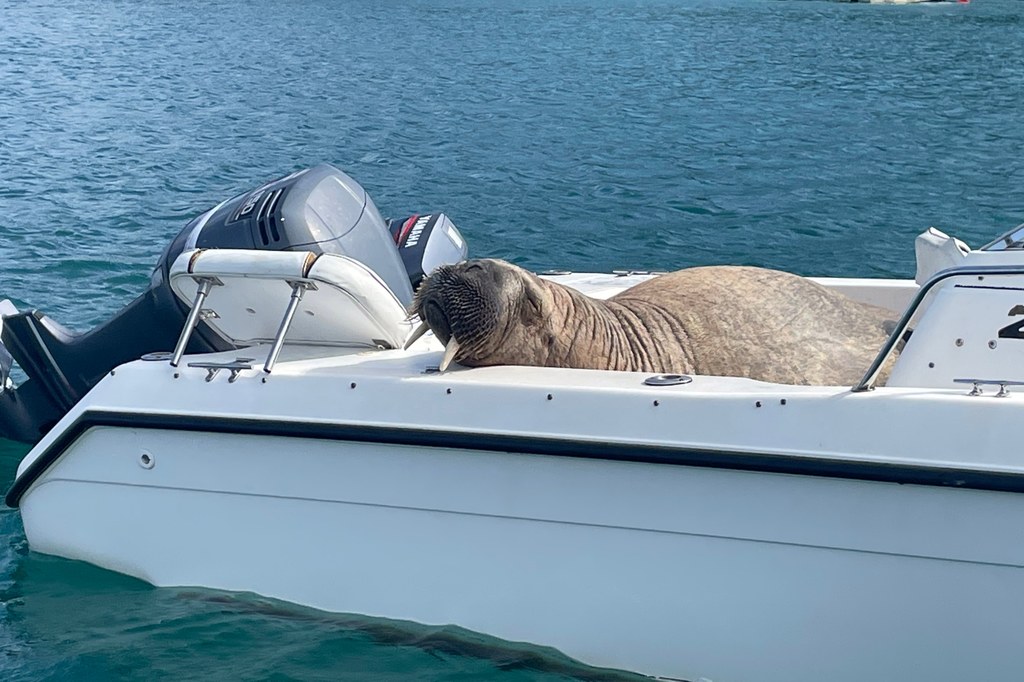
[[714, 320]]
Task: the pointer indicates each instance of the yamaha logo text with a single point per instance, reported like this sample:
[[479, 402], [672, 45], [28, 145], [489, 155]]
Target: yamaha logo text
[[417, 231]]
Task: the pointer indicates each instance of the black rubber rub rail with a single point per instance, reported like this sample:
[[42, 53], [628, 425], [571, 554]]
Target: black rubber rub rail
[[557, 447]]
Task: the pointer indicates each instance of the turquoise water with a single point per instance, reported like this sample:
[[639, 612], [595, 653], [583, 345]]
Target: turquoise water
[[584, 134]]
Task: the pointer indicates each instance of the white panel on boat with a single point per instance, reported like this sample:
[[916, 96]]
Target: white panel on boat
[[969, 331]]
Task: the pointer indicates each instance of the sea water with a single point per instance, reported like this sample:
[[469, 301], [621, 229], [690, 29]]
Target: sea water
[[813, 136]]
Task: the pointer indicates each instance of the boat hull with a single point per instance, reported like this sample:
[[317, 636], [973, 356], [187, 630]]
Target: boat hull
[[666, 569]]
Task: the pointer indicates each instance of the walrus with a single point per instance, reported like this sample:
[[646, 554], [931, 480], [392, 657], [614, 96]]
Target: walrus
[[711, 320]]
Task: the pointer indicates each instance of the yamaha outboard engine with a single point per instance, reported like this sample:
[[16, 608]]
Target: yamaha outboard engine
[[425, 243], [319, 209]]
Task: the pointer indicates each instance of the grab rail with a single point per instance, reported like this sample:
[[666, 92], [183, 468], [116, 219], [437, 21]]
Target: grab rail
[[194, 315], [299, 287], [205, 285], [867, 383]]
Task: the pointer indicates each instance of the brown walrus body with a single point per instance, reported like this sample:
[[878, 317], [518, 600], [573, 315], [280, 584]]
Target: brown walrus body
[[716, 320]]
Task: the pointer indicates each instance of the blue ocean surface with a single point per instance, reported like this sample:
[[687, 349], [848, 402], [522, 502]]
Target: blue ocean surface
[[807, 135]]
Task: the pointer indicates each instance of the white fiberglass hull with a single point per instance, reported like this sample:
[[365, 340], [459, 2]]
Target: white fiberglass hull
[[678, 571]]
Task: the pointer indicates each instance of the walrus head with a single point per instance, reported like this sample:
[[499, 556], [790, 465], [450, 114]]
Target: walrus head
[[475, 306]]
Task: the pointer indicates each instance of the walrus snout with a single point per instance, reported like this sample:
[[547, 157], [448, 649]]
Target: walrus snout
[[461, 303], [433, 314]]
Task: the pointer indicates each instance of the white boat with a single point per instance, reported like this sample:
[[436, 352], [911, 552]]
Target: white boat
[[698, 527]]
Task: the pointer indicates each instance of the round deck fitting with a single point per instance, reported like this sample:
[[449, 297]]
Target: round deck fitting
[[668, 380]]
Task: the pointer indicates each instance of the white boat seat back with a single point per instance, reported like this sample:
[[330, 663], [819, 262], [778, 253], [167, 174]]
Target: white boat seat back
[[346, 304]]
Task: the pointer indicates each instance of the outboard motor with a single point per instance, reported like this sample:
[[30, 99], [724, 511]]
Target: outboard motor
[[319, 209], [426, 242]]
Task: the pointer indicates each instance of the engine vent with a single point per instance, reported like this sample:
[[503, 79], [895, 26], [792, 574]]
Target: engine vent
[[267, 218]]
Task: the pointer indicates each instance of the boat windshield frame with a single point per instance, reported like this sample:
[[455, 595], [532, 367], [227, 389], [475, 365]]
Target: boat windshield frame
[[1014, 239]]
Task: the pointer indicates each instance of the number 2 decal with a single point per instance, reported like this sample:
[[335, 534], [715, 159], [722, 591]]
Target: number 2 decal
[[1016, 329]]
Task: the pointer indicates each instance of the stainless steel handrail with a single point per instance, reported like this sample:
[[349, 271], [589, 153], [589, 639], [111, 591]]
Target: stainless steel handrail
[[206, 283], [299, 287], [867, 383], [203, 290]]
